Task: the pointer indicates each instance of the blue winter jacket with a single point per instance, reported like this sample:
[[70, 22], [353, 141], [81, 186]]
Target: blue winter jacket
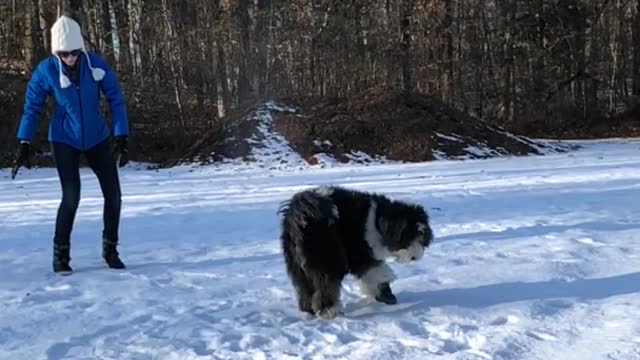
[[77, 119]]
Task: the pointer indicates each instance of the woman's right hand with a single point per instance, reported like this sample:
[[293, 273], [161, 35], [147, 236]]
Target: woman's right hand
[[22, 159]]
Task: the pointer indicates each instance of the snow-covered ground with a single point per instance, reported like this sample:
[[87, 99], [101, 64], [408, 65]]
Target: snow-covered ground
[[534, 258]]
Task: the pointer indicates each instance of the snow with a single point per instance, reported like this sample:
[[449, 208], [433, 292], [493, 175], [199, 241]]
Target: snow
[[269, 145], [534, 258]]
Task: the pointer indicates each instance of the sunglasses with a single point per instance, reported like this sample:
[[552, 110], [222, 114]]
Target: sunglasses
[[66, 54]]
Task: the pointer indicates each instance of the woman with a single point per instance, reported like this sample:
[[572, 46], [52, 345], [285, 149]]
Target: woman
[[74, 78]]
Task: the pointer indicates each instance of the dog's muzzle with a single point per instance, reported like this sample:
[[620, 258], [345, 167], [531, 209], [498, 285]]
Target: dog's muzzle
[[412, 253]]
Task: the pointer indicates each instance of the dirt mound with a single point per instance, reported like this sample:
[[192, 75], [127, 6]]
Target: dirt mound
[[246, 137], [624, 124], [569, 121], [395, 125], [231, 138]]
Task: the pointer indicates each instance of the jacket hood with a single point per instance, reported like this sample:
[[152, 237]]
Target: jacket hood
[[67, 36]]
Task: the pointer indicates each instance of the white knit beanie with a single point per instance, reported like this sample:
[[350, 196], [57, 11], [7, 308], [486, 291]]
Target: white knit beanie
[[67, 36]]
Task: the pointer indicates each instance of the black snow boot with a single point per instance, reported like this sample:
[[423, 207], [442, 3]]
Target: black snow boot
[[61, 259], [110, 254], [385, 295]]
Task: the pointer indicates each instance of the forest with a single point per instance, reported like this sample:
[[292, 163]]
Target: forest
[[541, 68]]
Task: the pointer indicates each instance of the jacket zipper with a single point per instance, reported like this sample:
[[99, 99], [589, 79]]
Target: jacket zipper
[[81, 115]]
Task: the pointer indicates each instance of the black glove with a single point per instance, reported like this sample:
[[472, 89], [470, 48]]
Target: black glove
[[23, 159], [121, 151]]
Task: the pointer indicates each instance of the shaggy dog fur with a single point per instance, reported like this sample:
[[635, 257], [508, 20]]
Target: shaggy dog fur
[[329, 232]]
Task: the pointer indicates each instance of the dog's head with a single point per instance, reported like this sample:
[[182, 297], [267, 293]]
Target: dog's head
[[405, 231]]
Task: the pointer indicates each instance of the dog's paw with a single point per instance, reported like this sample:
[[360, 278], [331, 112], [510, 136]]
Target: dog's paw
[[328, 313], [307, 309], [385, 295], [305, 306], [387, 299]]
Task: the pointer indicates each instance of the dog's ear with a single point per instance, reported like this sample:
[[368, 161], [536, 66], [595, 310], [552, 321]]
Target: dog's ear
[[391, 230]]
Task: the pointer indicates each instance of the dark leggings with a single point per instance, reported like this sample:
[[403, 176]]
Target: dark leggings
[[101, 161]]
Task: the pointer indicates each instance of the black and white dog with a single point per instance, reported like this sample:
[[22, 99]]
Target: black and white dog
[[329, 232]]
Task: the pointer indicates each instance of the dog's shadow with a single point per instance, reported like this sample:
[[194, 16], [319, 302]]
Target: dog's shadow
[[366, 308], [500, 293]]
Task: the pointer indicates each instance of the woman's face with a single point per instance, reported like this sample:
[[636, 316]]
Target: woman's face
[[69, 57]]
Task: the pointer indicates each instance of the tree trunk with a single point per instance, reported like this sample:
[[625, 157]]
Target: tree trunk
[[174, 63], [121, 52], [508, 11], [263, 36], [636, 50], [446, 51], [360, 78], [223, 77], [107, 30], [244, 64], [408, 77], [34, 49], [135, 22]]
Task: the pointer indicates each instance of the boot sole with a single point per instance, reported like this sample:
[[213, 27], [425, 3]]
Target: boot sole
[[114, 268]]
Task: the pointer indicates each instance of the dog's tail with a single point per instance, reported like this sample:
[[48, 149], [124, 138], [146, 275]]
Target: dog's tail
[[308, 206], [300, 217]]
